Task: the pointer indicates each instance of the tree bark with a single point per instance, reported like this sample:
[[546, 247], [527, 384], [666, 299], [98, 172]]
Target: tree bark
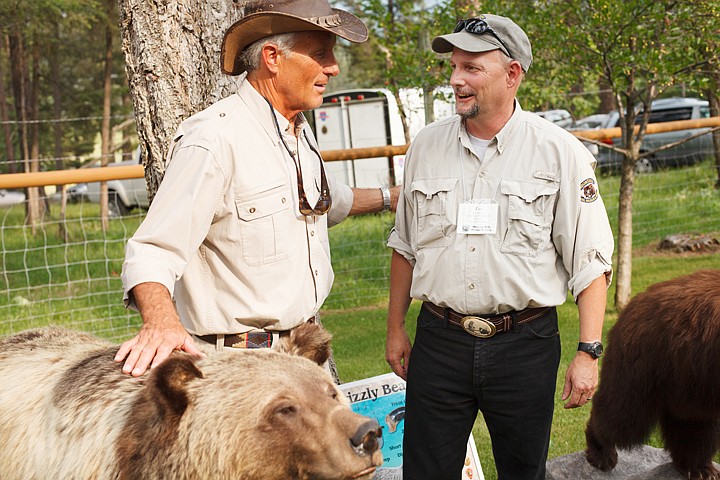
[[172, 54], [623, 273]]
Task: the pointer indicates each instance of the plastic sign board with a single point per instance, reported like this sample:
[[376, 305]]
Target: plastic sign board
[[383, 398]]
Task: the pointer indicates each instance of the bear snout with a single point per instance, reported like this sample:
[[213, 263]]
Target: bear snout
[[368, 438]]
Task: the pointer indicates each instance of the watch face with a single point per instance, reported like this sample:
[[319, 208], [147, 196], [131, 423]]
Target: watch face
[[595, 349]]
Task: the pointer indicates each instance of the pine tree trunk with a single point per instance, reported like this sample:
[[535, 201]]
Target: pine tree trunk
[[4, 118], [105, 129]]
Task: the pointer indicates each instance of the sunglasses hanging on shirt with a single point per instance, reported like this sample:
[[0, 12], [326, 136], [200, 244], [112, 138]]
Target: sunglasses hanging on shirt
[[325, 200]]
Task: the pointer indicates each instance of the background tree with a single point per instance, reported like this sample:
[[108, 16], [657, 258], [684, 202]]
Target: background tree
[[401, 30], [49, 66], [640, 48]]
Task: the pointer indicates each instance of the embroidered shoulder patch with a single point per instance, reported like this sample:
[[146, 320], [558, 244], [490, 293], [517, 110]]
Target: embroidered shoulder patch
[[588, 191]]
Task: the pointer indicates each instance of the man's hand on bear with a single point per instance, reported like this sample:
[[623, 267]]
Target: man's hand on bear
[[160, 334]]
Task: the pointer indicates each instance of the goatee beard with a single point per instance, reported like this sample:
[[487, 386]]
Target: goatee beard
[[472, 113]]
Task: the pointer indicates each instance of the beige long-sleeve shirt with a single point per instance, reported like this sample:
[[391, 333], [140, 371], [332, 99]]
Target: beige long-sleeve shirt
[[224, 233], [551, 230]]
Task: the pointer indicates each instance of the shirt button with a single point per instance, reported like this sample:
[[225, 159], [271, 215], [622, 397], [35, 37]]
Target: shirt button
[[222, 114], [481, 174], [312, 234], [472, 249], [252, 210], [316, 273], [284, 200], [471, 286]]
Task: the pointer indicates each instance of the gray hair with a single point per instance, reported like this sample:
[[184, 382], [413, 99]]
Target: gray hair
[[251, 56]]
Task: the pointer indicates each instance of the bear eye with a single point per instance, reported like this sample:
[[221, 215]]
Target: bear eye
[[286, 410]]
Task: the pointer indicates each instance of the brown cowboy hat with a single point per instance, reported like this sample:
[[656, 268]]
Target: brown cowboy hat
[[270, 17]]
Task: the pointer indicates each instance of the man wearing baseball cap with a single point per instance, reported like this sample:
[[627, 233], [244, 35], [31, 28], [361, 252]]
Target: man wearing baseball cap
[[499, 218], [234, 251]]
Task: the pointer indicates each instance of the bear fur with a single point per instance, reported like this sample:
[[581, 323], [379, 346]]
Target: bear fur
[[662, 367], [68, 412]]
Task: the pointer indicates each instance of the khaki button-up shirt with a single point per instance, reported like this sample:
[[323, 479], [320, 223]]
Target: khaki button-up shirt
[[551, 234], [224, 233]]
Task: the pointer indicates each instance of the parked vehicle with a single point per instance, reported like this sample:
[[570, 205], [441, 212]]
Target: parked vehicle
[[9, 197], [123, 195], [562, 118], [663, 110], [591, 122]]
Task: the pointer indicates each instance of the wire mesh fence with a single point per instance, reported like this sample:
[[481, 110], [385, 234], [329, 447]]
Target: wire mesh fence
[[67, 271]]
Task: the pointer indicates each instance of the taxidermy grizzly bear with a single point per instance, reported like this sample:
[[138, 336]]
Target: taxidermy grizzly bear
[[662, 367], [68, 412]]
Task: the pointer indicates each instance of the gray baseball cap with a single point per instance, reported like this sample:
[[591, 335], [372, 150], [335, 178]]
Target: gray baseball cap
[[488, 32]]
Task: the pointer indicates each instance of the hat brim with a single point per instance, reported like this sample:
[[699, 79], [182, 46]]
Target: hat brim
[[466, 41], [259, 25]]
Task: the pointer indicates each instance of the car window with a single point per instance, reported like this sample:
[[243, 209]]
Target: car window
[[669, 115], [704, 112]]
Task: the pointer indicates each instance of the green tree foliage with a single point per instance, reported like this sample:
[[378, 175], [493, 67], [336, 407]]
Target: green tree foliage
[[61, 43], [640, 49]]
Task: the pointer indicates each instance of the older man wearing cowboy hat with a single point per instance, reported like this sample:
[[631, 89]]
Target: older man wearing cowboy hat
[[234, 249]]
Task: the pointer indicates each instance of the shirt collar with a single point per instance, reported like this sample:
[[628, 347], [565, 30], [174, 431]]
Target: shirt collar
[[505, 133], [259, 108]]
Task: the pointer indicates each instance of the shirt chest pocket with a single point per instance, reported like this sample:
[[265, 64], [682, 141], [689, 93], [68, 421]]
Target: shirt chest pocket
[[432, 209], [264, 222], [529, 216]]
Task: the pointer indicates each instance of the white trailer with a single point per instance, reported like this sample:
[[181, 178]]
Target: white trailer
[[356, 119], [371, 118]]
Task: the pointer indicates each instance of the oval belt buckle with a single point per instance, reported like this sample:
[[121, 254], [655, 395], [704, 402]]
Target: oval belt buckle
[[478, 326]]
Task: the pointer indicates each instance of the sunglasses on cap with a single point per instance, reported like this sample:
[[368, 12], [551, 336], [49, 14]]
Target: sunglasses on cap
[[479, 26]]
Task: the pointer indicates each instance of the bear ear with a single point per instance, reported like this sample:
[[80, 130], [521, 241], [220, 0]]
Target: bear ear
[[166, 384], [309, 340]]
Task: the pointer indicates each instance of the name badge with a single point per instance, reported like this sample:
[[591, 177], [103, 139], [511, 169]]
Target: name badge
[[478, 218]]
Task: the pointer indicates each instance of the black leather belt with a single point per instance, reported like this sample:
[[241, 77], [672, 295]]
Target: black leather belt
[[242, 340], [485, 327]]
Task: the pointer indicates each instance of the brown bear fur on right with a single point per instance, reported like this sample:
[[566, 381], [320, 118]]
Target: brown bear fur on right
[[662, 367]]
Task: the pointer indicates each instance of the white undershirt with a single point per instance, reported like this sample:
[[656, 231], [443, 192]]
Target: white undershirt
[[479, 146]]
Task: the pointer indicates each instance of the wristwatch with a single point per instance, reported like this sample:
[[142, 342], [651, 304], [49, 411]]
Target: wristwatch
[[387, 202], [594, 349]]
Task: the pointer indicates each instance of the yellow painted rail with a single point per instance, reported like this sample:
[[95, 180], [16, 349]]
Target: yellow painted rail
[[101, 174]]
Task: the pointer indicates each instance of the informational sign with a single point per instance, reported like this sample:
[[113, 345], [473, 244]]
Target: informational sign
[[383, 398]]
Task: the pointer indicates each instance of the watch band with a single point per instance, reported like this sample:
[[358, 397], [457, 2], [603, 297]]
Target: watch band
[[594, 349], [387, 202]]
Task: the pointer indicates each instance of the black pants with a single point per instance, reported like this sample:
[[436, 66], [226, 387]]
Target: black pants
[[510, 378]]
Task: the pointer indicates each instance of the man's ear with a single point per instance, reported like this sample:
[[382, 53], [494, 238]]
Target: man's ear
[[514, 74], [271, 57]]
